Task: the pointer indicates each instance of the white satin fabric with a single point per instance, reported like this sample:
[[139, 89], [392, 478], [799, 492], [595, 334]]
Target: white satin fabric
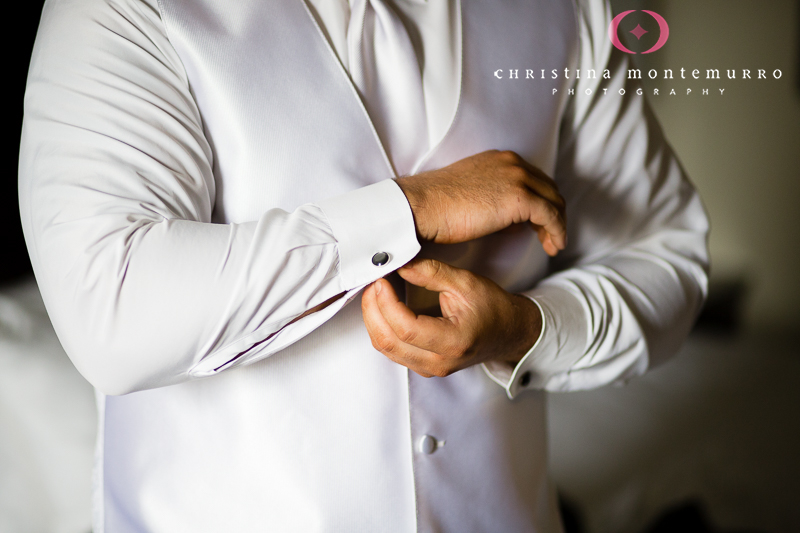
[[385, 70], [195, 174], [434, 30]]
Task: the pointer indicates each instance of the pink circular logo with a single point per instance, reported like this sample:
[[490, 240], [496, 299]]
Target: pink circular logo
[[638, 31]]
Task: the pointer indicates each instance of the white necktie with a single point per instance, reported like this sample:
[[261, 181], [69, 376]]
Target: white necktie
[[386, 72]]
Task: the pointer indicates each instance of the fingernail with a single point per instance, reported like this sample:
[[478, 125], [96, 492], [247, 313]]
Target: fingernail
[[378, 287]]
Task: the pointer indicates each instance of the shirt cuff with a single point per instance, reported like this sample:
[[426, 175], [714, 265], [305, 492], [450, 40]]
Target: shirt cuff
[[560, 345], [374, 231]]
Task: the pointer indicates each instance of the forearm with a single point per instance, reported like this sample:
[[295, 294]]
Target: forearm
[[153, 303]]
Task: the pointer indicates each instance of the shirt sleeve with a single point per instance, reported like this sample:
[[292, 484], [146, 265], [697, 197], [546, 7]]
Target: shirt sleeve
[[116, 195], [625, 292]]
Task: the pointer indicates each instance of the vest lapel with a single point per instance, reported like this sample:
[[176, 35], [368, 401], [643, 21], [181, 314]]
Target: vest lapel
[[284, 121]]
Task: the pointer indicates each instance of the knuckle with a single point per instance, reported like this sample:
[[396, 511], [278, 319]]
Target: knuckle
[[552, 212], [442, 372], [557, 219], [406, 334], [511, 157], [435, 266], [469, 284], [548, 213], [426, 266], [376, 344], [384, 344], [519, 175], [435, 269]]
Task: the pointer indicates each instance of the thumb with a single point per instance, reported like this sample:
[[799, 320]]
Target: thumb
[[434, 275]]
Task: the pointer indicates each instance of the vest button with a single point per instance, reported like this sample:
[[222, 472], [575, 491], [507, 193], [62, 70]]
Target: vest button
[[427, 444], [380, 259]]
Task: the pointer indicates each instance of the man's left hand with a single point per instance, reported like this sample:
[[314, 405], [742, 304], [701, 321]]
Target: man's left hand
[[480, 321]]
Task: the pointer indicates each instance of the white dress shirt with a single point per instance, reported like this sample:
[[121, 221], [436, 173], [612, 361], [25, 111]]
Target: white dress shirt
[[195, 175]]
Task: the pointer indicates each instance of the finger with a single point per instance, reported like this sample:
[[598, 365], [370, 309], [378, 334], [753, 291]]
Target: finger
[[432, 334], [546, 188], [547, 242], [539, 174], [545, 214], [435, 276], [548, 246], [385, 340], [539, 182]]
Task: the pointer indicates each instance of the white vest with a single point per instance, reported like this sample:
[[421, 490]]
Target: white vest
[[305, 441]]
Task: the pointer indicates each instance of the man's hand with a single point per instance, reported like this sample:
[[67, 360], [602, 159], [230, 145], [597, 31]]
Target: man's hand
[[482, 194], [480, 321]]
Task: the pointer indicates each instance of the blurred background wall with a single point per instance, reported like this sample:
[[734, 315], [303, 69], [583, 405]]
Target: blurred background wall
[[710, 440], [47, 418], [741, 149], [707, 442]]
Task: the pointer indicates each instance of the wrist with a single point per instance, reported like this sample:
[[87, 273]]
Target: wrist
[[415, 195], [529, 321]]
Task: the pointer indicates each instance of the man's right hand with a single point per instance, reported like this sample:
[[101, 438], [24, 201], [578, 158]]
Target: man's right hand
[[485, 193]]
